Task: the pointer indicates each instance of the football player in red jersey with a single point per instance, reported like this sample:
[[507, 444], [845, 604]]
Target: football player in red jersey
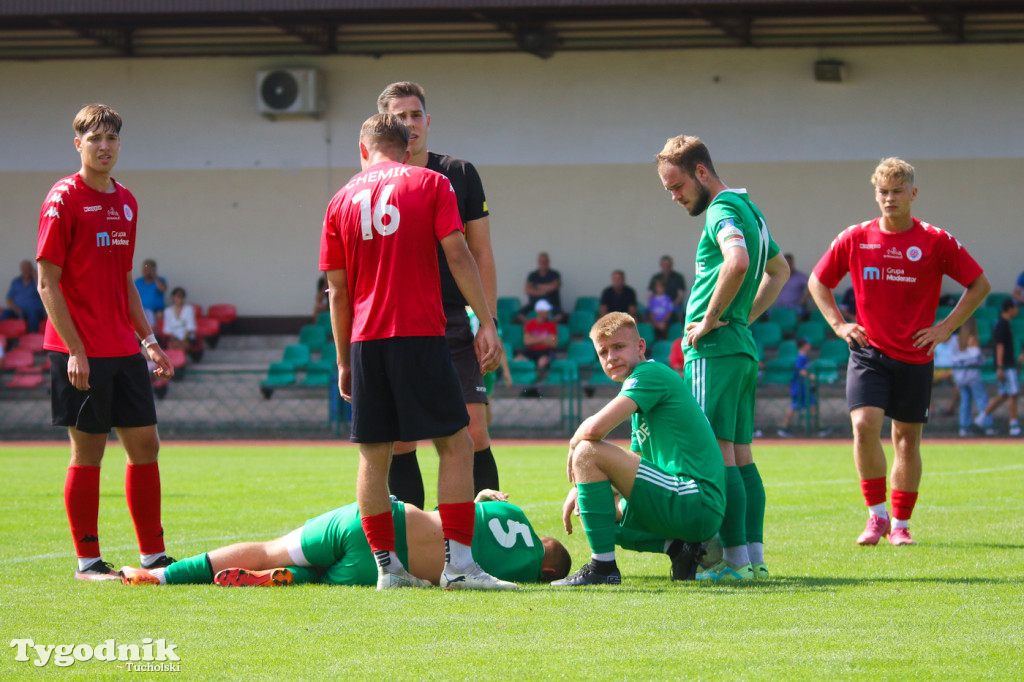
[[896, 263], [99, 379]]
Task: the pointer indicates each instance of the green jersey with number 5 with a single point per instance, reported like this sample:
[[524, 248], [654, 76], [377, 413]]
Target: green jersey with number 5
[[505, 544], [732, 221]]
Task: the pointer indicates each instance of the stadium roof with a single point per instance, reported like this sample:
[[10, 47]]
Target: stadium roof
[[76, 29]]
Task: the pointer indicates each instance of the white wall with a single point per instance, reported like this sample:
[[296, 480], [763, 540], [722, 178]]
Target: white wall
[[231, 203]]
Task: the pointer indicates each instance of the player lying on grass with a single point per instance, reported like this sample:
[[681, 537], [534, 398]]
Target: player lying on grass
[[672, 478], [332, 549]]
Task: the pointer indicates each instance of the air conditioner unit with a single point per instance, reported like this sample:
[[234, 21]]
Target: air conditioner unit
[[288, 91]]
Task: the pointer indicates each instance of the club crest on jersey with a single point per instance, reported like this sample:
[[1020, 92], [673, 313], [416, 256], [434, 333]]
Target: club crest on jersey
[[628, 384], [914, 254], [127, 212]]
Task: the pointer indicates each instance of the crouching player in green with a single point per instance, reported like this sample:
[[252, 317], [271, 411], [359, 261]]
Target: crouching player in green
[[332, 549], [672, 478]]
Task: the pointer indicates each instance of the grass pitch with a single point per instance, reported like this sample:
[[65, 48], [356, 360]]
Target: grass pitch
[[948, 608]]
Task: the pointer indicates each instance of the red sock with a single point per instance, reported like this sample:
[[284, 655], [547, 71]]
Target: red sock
[[874, 491], [380, 532], [903, 504], [457, 521], [82, 502], [142, 489]]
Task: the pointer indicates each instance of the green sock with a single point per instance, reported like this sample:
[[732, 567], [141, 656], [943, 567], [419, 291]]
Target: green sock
[[304, 574], [597, 512], [755, 502], [734, 525], [193, 570]]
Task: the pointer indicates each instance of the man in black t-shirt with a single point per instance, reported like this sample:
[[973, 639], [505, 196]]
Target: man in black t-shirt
[[619, 297], [407, 100], [1006, 367], [543, 284]]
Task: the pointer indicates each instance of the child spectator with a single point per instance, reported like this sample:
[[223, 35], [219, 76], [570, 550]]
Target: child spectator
[[659, 309], [800, 394], [540, 337], [967, 360]]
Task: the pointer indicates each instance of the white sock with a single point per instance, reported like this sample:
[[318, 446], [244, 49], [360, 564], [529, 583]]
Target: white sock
[[388, 562], [147, 559], [755, 550], [603, 556], [667, 544], [159, 573], [736, 556], [879, 510], [85, 562], [458, 555], [896, 523]]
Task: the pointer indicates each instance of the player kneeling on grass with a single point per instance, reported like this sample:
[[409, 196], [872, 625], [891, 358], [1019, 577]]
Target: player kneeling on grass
[[672, 479], [332, 549]]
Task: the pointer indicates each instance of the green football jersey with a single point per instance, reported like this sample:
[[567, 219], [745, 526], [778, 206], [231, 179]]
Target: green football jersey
[[671, 431], [505, 544], [730, 216]]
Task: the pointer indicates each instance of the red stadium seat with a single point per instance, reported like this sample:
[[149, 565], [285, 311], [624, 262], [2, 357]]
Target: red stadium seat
[[26, 380], [32, 342], [207, 326], [223, 312], [198, 309], [13, 329], [20, 359], [177, 358]]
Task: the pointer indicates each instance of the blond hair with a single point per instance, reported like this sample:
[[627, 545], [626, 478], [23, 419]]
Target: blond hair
[[385, 130], [893, 171], [97, 117], [968, 335], [610, 324], [687, 152]]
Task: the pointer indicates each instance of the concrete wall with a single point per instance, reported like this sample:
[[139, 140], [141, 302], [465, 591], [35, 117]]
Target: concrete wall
[[231, 203]]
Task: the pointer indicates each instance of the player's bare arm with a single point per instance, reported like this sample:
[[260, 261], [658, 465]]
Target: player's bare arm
[[776, 273], [598, 426], [965, 307], [467, 276], [851, 332], [154, 352], [730, 278], [57, 310], [478, 238], [341, 327]]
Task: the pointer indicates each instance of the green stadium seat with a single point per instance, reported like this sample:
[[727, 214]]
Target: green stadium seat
[[279, 374], [563, 372], [826, 371], [942, 312], [523, 371], [509, 304], [512, 336], [591, 303], [297, 354], [786, 318], [563, 337], [328, 351], [319, 373], [812, 331], [661, 351], [646, 331], [583, 354], [768, 333], [675, 330], [995, 300], [986, 315], [778, 371], [787, 351], [580, 322], [313, 336], [324, 319], [985, 333], [835, 350]]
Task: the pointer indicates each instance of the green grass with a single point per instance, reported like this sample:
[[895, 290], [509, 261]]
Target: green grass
[[948, 608]]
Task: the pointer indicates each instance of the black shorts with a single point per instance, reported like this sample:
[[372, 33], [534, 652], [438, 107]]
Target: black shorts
[[120, 394], [405, 389], [903, 390], [459, 336]]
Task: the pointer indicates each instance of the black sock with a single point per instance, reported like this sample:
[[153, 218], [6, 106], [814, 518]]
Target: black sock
[[405, 480], [604, 567], [485, 471]]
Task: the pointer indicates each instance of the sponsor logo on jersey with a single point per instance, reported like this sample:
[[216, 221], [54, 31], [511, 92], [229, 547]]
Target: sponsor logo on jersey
[[893, 252], [127, 212], [112, 214], [102, 239], [898, 275], [871, 273], [914, 254], [870, 246], [51, 213], [56, 198], [92, 209]]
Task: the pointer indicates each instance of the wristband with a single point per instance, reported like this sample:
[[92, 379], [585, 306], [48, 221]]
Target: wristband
[[149, 341], [495, 320]]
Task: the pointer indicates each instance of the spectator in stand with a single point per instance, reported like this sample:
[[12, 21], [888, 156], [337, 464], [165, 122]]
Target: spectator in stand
[[543, 283], [323, 302], [619, 297], [848, 306], [1018, 290], [967, 361], [151, 290], [23, 300], [677, 357], [943, 361], [794, 294], [659, 309], [180, 322], [540, 337], [801, 397], [675, 283], [1006, 367]]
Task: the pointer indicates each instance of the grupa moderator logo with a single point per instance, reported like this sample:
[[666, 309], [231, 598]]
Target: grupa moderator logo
[[152, 655]]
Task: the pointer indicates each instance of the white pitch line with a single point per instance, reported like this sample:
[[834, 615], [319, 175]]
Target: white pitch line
[[119, 548], [844, 481]]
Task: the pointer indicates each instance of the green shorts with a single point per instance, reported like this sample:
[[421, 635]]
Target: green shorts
[[667, 506], [335, 542], [725, 388]]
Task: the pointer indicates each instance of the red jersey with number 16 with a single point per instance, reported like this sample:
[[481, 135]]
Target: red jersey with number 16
[[91, 236], [383, 229], [897, 280]]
